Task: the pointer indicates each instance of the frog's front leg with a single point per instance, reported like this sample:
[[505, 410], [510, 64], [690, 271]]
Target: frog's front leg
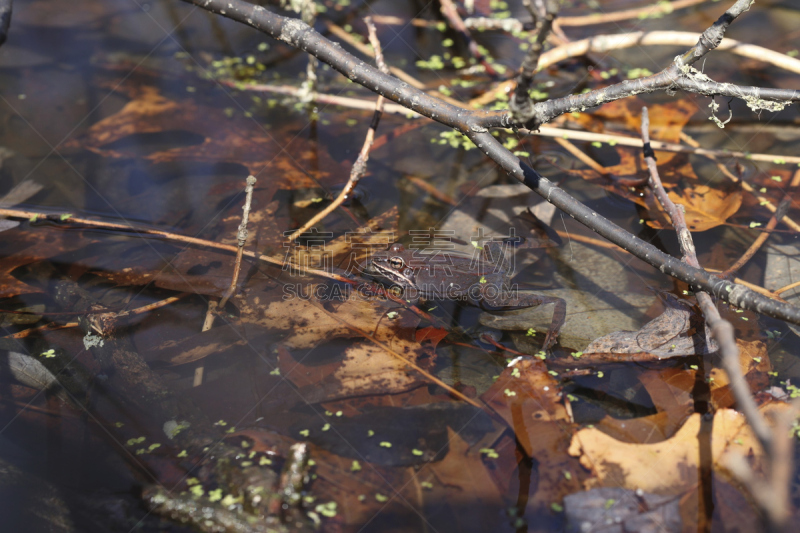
[[519, 300]]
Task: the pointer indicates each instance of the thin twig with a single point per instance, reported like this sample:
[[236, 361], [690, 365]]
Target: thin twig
[[606, 43], [783, 208], [543, 13], [360, 165], [661, 8], [68, 219], [516, 25], [397, 72], [711, 38], [133, 312], [544, 131], [624, 140], [237, 265], [723, 333], [241, 240], [581, 156]]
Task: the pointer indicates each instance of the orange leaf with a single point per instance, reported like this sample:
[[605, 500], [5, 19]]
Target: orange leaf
[[431, 334]]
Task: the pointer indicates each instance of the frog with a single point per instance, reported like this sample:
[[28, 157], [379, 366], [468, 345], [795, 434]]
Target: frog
[[482, 280]]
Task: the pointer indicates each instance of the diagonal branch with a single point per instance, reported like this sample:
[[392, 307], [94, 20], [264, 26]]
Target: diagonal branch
[[471, 123], [698, 279], [713, 35]]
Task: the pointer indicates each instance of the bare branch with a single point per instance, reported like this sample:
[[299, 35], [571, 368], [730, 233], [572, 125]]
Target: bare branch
[[473, 124], [713, 35], [521, 105], [680, 74], [698, 279], [775, 447]]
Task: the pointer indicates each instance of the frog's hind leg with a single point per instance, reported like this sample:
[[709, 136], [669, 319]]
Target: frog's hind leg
[[520, 300]]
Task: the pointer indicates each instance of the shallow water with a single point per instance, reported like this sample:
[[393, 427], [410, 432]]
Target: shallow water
[[117, 110]]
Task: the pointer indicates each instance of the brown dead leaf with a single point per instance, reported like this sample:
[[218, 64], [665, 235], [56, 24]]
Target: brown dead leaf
[[529, 400], [666, 120], [462, 485], [526, 388], [432, 334], [349, 250], [199, 346], [310, 312], [376, 366], [671, 466], [666, 123], [671, 391], [25, 245], [704, 207], [642, 430], [366, 369], [755, 365]]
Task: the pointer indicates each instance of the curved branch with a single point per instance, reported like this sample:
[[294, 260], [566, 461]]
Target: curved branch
[[679, 73], [547, 111], [671, 77]]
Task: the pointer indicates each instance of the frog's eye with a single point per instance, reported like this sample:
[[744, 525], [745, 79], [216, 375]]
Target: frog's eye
[[396, 262]]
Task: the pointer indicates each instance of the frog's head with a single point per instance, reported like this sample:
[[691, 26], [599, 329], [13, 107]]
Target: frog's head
[[391, 267]]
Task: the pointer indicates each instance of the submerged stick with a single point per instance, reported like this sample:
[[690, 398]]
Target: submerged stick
[[237, 265]]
